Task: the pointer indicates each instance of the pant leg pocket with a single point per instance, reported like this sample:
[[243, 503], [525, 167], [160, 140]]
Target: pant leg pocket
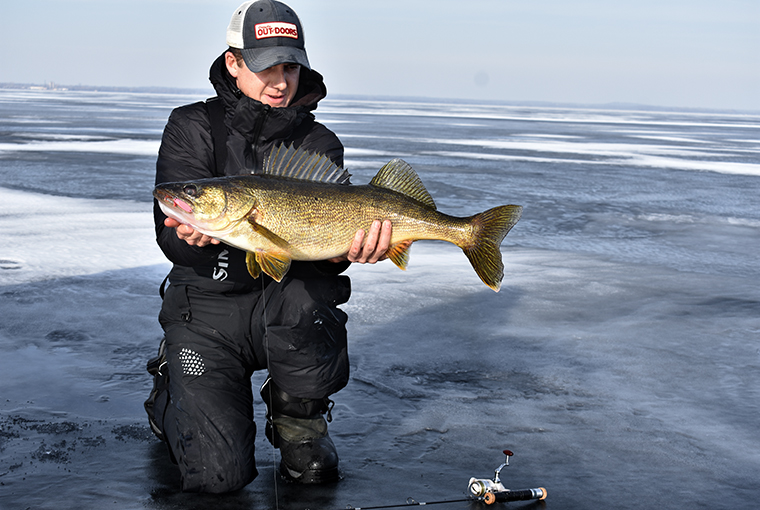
[[175, 308]]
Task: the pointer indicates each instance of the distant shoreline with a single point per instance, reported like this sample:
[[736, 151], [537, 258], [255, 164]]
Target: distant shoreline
[[51, 86], [93, 88]]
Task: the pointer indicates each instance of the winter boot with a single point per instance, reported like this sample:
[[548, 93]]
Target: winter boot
[[298, 428]]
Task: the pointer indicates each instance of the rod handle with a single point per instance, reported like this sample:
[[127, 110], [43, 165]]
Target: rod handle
[[519, 495]]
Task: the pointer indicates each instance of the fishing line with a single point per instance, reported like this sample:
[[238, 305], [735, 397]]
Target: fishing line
[[269, 389], [409, 502], [488, 491]]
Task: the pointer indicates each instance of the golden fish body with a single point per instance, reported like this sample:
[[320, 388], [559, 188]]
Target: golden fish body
[[298, 210]]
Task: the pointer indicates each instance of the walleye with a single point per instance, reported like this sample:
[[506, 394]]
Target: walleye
[[301, 209]]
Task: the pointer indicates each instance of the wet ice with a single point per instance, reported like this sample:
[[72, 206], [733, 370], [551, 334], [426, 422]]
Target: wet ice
[[619, 361]]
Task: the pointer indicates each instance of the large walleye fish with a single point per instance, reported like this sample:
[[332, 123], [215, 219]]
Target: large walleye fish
[[300, 209]]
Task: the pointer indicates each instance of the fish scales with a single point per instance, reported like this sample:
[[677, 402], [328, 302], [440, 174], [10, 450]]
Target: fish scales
[[325, 217]]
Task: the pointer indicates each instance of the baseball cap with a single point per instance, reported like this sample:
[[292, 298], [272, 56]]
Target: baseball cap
[[268, 33]]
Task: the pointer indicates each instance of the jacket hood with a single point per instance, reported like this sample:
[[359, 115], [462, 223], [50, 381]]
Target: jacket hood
[[311, 87], [252, 126]]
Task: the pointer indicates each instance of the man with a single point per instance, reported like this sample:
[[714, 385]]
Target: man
[[220, 324]]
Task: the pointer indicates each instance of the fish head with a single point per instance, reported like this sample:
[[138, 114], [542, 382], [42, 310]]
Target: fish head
[[206, 205]]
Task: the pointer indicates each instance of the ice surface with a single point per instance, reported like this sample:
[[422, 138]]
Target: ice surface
[[619, 361], [141, 147], [55, 237]]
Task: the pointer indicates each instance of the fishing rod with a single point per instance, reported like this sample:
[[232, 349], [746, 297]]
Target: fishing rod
[[488, 491], [492, 491]]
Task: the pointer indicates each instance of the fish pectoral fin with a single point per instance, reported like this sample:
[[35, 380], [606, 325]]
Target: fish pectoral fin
[[399, 254], [274, 264], [253, 266], [268, 234]]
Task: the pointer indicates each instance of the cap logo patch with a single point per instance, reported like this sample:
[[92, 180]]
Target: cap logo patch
[[276, 29]]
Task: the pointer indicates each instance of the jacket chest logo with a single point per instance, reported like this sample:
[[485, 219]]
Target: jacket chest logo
[[222, 263]]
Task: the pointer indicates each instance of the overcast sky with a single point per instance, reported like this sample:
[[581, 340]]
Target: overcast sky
[[686, 53]]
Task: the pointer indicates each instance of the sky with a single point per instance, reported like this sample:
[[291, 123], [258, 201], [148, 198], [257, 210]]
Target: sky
[[671, 53]]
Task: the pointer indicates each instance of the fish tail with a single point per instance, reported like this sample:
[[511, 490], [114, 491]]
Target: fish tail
[[489, 230]]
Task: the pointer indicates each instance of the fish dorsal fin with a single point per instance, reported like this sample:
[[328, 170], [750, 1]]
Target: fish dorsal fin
[[297, 163], [397, 175]]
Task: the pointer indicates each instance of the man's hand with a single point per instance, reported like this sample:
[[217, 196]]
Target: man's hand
[[189, 234], [373, 248]]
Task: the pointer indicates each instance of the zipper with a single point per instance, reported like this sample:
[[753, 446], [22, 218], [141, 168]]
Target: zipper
[[256, 134]]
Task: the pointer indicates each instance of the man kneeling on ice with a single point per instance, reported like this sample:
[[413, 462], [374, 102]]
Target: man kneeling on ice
[[220, 323]]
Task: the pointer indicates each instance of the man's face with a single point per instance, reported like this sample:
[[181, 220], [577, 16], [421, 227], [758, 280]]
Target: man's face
[[275, 86]]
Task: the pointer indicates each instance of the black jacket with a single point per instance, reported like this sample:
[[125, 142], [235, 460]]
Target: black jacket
[[253, 128]]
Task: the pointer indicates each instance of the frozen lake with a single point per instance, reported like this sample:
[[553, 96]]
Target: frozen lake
[[619, 361]]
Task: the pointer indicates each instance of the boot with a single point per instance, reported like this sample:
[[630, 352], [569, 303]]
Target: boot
[[298, 428]]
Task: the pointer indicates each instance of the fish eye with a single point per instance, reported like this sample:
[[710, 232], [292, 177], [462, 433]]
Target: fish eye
[[190, 190]]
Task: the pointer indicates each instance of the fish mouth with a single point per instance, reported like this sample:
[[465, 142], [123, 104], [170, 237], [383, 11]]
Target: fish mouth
[[182, 205], [174, 207], [170, 200], [182, 211]]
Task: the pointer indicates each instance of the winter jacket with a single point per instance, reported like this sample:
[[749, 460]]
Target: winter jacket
[[253, 128]]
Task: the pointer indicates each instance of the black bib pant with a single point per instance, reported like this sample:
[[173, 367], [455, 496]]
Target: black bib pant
[[214, 341]]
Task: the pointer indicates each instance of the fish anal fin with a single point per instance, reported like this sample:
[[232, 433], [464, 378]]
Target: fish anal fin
[[397, 175], [399, 254], [274, 264]]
